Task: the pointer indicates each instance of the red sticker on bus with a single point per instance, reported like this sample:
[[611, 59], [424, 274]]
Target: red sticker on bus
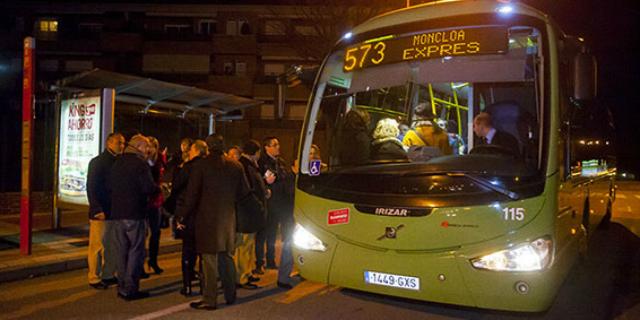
[[339, 216]]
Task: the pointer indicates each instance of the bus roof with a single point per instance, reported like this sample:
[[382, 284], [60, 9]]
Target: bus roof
[[444, 8]]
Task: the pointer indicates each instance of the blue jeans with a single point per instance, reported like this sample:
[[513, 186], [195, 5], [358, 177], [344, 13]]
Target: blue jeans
[[129, 235], [286, 255]]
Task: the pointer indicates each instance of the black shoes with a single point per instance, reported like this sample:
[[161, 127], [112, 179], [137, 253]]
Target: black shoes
[[253, 279], [186, 291], [144, 275], [259, 271], [156, 269], [134, 296], [249, 286], [284, 285], [201, 305], [272, 265], [111, 281], [99, 285]]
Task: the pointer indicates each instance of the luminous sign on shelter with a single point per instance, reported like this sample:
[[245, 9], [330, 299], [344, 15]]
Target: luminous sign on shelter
[[79, 142]]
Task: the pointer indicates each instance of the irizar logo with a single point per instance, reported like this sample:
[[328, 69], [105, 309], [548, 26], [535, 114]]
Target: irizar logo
[[392, 212]]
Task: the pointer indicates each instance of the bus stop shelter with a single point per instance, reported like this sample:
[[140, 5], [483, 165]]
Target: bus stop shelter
[[151, 95], [89, 105]]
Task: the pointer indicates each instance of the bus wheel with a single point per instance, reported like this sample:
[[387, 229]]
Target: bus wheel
[[606, 220]]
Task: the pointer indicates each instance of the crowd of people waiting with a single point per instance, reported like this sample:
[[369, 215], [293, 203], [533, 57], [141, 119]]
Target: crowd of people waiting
[[129, 203]]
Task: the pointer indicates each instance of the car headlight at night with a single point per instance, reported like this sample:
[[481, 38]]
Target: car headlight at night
[[303, 239], [532, 256]]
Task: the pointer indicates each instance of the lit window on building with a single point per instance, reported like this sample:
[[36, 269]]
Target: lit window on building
[[48, 25]]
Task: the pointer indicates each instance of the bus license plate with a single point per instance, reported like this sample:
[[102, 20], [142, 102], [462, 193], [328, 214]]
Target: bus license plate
[[392, 280]]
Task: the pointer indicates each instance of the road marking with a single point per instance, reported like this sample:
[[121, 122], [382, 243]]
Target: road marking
[[330, 289], [300, 291], [637, 196], [621, 196], [164, 312]]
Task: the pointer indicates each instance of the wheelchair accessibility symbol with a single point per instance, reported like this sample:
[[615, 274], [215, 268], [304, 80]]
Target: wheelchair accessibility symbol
[[314, 168]]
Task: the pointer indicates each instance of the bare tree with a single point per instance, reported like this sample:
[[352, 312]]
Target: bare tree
[[313, 27]]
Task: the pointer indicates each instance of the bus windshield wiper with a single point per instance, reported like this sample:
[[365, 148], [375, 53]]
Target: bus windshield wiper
[[486, 183]]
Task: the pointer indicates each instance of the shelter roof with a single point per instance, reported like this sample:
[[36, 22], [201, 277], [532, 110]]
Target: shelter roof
[[156, 94]]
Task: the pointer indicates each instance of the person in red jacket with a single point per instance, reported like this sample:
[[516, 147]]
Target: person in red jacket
[[156, 161]]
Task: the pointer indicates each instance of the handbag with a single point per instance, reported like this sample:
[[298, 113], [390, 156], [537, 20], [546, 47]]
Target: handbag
[[250, 214]]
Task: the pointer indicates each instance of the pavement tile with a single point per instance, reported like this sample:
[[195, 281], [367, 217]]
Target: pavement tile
[[53, 250]]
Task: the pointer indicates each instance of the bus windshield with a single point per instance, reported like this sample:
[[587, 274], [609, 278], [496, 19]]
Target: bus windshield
[[478, 114]]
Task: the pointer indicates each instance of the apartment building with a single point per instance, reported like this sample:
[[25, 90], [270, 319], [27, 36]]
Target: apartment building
[[232, 48]]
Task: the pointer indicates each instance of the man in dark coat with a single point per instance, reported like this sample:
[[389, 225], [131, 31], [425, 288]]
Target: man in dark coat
[[353, 146], [185, 228], [484, 129], [102, 256], [245, 242], [132, 186], [215, 184], [280, 181]]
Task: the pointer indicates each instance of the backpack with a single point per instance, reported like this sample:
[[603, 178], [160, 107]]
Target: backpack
[[423, 153]]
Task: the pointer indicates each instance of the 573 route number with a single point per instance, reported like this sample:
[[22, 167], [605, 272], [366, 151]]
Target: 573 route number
[[513, 214], [366, 53]]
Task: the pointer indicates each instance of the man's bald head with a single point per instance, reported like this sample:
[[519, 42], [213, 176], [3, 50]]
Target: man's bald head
[[482, 124]]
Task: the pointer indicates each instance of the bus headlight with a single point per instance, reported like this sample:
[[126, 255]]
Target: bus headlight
[[303, 239], [532, 256]]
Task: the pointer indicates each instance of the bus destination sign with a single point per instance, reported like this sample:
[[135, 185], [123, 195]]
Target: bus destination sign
[[428, 45]]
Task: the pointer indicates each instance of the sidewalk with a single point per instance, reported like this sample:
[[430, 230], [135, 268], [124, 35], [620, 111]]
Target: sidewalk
[[52, 250]]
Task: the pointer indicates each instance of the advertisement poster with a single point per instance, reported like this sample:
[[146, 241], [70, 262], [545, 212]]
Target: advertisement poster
[[79, 142]]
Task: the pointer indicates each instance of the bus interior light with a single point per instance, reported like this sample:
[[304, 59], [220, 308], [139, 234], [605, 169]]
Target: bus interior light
[[347, 35], [533, 256], [305, 240]]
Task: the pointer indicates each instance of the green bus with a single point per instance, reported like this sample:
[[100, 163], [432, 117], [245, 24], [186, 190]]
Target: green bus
[[436, 214]]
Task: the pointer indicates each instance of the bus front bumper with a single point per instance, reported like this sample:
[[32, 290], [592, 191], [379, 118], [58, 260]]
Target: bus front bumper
[[444, 277]]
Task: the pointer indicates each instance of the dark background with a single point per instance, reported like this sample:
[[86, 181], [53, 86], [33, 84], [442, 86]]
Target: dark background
[[611, 28]]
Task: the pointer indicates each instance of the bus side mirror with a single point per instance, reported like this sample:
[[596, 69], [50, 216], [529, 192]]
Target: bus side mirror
[[584, 77]]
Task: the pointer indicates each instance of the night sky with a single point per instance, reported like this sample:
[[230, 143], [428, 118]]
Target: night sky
[[612, 29]]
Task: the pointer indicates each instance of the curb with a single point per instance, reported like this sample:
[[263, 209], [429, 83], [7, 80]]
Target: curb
[[48, 268]]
